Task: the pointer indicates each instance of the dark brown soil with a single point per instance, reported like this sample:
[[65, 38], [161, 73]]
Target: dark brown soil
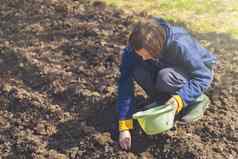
[[58, 72]]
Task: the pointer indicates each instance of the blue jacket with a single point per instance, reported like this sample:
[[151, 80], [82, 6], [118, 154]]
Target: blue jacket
[[180, 50]]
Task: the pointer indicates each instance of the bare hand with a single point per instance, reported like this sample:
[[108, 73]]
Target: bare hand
[[125, 139]]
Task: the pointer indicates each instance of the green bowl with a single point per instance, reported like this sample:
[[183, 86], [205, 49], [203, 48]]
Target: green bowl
[[156, 120]]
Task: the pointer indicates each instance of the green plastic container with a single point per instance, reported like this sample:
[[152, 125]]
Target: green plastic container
[[156, 120]]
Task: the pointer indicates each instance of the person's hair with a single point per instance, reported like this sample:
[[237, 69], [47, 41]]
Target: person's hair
[[147, 34]]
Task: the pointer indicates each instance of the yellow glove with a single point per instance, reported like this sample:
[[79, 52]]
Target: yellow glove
[[125, 124], [177, 101]]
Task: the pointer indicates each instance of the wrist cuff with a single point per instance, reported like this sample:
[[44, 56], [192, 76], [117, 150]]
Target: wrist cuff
[[125, 124], [180, 103]]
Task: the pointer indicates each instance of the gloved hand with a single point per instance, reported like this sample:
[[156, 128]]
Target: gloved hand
[[125, 139], [177, 102]]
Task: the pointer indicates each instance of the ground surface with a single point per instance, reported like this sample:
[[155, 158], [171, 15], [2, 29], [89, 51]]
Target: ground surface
[[198, 15], [58, 71]]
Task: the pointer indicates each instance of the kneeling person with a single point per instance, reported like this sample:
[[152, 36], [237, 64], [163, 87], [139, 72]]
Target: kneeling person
[[170, 65]]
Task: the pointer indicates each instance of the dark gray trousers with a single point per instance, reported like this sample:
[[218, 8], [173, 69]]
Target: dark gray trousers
[[162, 84]]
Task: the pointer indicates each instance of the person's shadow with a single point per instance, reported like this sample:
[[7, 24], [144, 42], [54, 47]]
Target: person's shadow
[[76, 133]]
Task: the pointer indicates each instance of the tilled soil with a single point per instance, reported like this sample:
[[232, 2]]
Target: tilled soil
[[58, 71]]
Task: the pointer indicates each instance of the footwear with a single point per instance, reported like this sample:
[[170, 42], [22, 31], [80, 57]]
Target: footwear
[[195, 111]]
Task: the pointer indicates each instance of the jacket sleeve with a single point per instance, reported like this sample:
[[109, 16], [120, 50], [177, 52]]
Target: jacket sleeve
[[125, 97], [200, 75]]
